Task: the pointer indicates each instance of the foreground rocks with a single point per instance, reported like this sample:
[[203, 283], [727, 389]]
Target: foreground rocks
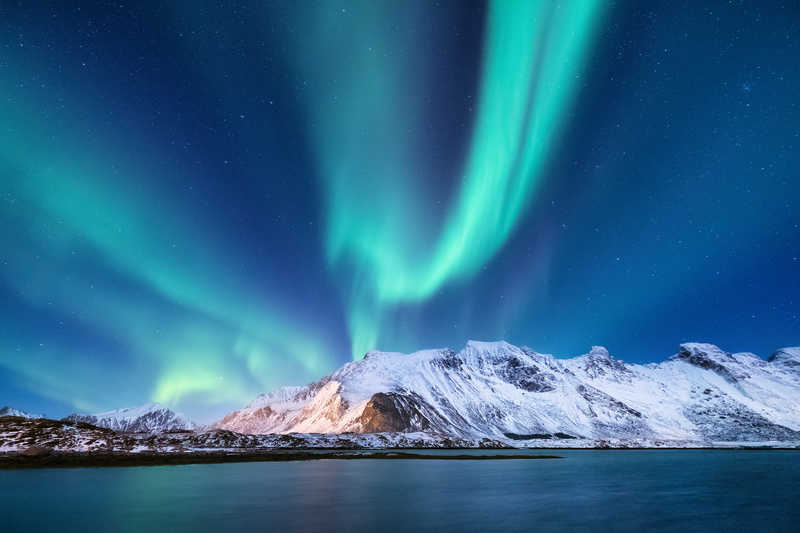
[[39, 437]]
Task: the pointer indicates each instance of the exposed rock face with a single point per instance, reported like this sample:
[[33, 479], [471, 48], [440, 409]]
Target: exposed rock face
[[598, 362], [255, 418], [393, 412], [496, 390], [538, 436], [528, 377]]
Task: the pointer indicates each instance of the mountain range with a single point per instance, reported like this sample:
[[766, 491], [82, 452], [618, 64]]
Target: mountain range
[[10, 411], [495, 390], [147, 418], [488, 394]]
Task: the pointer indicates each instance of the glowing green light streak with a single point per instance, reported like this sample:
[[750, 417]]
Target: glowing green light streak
[[67, 199], [533, 54]]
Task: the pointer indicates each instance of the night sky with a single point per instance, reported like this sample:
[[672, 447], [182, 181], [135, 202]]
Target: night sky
[[201, 201]]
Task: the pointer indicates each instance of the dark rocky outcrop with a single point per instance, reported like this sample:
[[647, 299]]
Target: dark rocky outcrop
[[387, 412], [525, 376], [598, 362], [538, 436], [448, 360]]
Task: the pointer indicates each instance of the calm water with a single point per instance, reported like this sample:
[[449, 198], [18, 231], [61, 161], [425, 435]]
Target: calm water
[[673, 490]]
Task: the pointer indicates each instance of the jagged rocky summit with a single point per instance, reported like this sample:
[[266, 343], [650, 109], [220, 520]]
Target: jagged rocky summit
[[702, 395]]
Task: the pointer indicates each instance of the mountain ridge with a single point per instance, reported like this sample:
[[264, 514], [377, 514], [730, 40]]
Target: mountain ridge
[[146, 418], [500, 391], [10, 411]]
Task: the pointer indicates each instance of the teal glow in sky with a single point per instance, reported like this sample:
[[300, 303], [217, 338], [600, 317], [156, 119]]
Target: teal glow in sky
[[531, 66], [202, 203]]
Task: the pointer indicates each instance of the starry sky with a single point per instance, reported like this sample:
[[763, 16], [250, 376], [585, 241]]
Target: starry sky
[[201, 201]]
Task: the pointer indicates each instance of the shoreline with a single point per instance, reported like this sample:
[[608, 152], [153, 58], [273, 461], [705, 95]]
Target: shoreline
[[55, 459], [16, 461]]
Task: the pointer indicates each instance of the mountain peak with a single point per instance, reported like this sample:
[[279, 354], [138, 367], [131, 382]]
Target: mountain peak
[[687, 349], [600, 351], [711, 357], [490, 346], [787, 357]]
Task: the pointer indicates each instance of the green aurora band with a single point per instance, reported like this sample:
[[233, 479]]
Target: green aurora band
[[533, 56], [78, 199]]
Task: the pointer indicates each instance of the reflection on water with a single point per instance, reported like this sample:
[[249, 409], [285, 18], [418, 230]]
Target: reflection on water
[[588, 490]]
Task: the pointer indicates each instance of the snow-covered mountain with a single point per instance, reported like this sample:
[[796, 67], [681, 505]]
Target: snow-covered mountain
[[10, 411], [147, 418], [495, 390]]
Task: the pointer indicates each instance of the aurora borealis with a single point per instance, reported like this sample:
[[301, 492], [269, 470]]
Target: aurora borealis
[[201, 202], [533, 53]]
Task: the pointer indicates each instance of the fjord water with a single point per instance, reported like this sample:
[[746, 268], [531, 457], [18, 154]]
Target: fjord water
[[586, 490]]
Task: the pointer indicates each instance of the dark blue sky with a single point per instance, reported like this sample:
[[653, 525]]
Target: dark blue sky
[[201, 201]]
